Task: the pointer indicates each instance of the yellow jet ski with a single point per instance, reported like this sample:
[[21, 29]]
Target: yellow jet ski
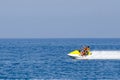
[[78, 54]]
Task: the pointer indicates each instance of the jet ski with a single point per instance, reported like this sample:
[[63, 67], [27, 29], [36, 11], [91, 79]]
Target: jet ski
[[77, 54]]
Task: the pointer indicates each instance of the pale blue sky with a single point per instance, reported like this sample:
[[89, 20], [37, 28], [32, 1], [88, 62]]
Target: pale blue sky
[[59, 18]]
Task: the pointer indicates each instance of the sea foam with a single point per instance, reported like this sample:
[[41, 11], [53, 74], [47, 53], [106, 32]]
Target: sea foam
[[104, 55]]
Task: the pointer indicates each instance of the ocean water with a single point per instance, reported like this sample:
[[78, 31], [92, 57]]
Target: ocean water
[[47, 59]]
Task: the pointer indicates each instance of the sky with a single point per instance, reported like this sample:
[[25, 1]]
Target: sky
[[59, 18]]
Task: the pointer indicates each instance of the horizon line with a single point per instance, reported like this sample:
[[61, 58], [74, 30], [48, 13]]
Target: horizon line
[[67, 38]]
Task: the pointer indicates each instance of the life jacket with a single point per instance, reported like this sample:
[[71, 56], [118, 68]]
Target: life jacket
[[87, 49]]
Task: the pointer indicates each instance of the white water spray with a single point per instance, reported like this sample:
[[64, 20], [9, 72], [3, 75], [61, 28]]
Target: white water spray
[[103, 55]]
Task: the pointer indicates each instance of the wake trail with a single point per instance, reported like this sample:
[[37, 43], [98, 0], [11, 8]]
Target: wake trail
[[104, 55]]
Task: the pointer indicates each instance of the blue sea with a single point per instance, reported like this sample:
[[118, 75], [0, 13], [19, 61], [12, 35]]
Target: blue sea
[[47, 59]]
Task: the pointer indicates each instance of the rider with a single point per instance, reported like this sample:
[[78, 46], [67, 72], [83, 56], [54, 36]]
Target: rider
[[85, 51]]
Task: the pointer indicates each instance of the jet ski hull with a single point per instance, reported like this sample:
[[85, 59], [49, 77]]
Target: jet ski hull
[[77, 55]]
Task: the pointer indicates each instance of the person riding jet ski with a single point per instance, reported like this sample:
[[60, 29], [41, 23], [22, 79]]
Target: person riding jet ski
[[85, 51]]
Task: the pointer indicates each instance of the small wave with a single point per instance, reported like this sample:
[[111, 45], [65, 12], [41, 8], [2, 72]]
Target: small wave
[[104, 55]]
